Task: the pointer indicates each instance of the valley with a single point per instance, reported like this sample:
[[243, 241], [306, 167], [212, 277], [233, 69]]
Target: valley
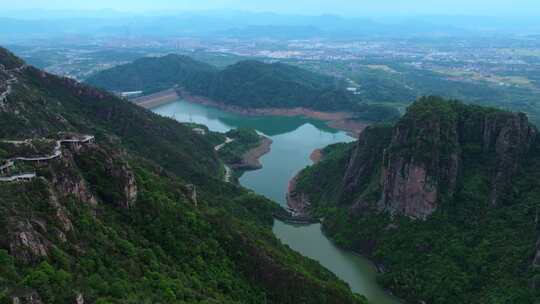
[[270, 152], [135, 212], [293, 140]]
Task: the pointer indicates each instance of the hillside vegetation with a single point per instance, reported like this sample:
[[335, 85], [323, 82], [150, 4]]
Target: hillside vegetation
[[137, 215]]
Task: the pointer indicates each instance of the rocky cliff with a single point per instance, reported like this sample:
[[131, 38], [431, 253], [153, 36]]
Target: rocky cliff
[[431, 148], [447, 199]]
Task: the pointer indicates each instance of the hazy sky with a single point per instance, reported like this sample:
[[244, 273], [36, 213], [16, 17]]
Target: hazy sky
[[344, 7]]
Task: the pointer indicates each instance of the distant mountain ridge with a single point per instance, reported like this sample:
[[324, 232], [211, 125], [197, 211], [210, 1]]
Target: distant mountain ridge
[[25, 25]]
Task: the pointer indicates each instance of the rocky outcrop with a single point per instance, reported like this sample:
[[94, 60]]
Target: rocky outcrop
[[191, 193], [422, 155], [124, 175], [61, 216], [26, 244], [297, 200], [97, 163], [120, 171], [364, 163], [79, 298], [509, 136], [423, 162], [27, 297], [68, 181]]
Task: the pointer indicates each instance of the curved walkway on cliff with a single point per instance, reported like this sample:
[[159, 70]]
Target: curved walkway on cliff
[[56, 154], [57, 149], [19, 177]]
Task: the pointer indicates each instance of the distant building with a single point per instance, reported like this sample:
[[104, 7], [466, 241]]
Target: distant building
[[351, 89]]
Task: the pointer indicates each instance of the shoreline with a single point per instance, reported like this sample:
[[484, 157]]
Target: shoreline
[[338, 120], [301, 207], [298, 201], [251, 158]]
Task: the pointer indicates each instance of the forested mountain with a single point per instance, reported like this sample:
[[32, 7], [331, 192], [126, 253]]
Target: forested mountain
[[446, 201], [152, 74], [247, 83], [115, 204]]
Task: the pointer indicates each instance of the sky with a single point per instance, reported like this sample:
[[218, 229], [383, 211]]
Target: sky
[[340, 7]]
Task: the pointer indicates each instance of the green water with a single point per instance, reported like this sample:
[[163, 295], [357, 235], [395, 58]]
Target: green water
[[293, 141]]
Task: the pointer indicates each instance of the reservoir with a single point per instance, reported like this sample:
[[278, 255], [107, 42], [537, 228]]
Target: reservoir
[[294, 138]]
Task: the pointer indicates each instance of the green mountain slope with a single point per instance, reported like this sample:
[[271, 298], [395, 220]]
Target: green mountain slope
[[134, 215], [445, 200], [154, 74], [246, 83]]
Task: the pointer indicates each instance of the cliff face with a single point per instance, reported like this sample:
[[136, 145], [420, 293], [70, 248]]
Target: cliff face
[[364, 162], [422, 156], [428, 151], [509, 136]]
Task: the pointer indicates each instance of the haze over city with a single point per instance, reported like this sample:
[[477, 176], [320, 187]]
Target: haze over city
[[343, 7]]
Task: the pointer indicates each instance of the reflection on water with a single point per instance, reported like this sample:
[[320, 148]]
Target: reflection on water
[[294, 140], [220, 121]]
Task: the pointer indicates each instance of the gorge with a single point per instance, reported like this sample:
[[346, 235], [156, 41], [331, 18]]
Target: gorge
[[294, 138]]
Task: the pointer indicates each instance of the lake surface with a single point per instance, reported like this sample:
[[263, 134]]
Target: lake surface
[[294, 140]]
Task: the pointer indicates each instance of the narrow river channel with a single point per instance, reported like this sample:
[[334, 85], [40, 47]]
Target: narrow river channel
[[293, 141]]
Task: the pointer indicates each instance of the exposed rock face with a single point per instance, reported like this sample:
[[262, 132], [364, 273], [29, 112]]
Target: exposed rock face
[[130, 189], [30, 297], [191, 192], [109, 164], [408, 190], [510, 136], [364, 162], [420, 162], [25, 243], [128, 182], [62, 217], [424, 160], [122, 173], [79, 299], [68, 181], [416, 164]]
